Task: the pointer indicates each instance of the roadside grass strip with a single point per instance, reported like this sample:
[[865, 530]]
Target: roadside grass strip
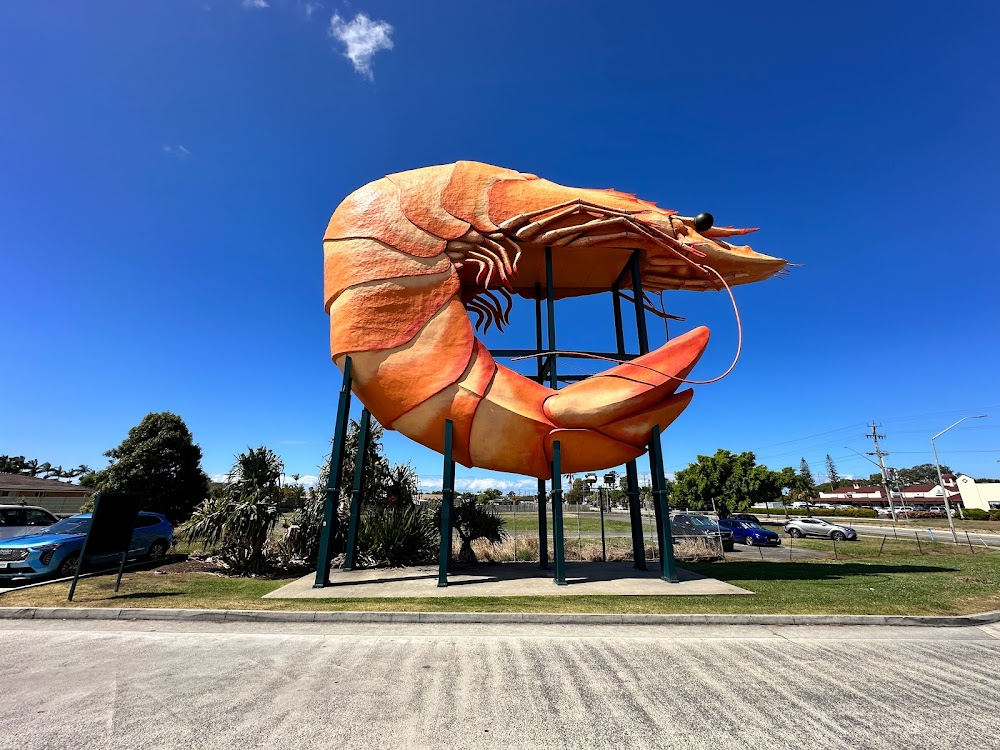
[[898, 585]]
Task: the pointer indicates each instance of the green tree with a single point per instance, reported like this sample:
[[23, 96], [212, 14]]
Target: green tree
[[806, 473], [160, 461], [831, 473], [574, 495], [734, 482], [401, 484], [473, 522], [801, 486], [373, 484], [922, 474], [489, 495], [32, 468], [238, 521]]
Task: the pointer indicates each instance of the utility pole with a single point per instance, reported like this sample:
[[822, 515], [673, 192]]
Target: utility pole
[[878, 453]]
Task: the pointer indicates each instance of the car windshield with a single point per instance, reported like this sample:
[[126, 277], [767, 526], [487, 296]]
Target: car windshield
[[702, 521], [751, 525], [69, 526]]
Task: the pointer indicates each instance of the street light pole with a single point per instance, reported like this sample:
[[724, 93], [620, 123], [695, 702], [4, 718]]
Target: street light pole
[[937, 465]]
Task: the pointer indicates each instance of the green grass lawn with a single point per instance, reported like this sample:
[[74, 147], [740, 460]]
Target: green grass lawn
[[943, 584]]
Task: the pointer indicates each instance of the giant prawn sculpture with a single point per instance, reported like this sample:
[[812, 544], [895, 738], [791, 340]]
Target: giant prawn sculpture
[[407, 257]]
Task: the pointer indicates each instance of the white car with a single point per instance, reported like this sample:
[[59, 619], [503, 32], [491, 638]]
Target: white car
[[18, 520]]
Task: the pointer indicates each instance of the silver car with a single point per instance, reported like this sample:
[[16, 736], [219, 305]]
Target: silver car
[[809, 526], [17, 520]]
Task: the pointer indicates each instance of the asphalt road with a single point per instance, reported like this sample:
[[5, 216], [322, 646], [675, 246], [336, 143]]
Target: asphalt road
[[123, 685]]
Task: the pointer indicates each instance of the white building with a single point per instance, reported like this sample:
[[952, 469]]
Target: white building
[[982, 495]]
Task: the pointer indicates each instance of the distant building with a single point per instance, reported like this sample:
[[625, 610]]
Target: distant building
[[919, 496], [982, 495], [58, 497]]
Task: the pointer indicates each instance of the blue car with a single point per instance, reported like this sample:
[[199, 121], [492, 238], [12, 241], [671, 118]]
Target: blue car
[[56, 549], [749, 532]]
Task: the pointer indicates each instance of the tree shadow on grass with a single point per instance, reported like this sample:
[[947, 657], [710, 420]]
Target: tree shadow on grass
[[812, 571], [147, 595]]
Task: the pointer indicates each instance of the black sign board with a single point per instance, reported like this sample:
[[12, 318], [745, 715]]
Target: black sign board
[[110, 534]]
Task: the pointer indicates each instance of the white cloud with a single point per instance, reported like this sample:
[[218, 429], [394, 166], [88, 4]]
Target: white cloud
[[306, 480], [256, 4], [478, 484], [311, 8], [179, 151], [362, 38]]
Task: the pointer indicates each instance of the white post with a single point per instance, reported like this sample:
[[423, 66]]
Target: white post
[[937, 465]]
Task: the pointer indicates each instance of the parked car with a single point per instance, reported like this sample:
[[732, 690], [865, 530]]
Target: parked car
[[809, 526], [749, 532], [905, 509], [17, 520], [695, 524], [56, 549], [745, 517]]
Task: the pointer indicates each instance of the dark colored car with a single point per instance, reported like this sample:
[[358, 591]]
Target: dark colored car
[[695, 524], [750, 532], [56, 549]]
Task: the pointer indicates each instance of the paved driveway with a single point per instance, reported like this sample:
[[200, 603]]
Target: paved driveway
[[126, 685]]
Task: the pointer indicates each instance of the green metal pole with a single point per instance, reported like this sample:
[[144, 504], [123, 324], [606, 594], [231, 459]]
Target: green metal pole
[[557, 517], [558, 540], [550, 306], [668, 569], [447, 502], [543, 531], [359, 476], [640, 308], [635, 516], [334, 477]]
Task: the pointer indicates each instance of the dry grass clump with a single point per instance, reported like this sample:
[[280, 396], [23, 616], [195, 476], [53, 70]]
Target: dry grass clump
[[589, 550]]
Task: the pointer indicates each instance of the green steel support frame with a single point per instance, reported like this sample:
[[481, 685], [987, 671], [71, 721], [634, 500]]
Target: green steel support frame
[[668, 570], [334, 472], [543, 531], [360, 466], [557, 518], [635, 516], [447, 505]]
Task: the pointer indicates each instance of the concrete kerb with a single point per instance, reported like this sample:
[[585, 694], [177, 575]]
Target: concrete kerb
[[536, 618]]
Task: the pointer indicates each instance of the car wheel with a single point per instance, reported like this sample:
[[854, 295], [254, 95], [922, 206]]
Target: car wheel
[[157, 551], [794, 533], [68, 566], [748, 540], [838, 536]]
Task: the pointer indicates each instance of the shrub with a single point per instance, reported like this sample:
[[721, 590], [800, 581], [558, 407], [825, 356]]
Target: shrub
[[396, 536], [995, 515], [473, 521], [975, 514]]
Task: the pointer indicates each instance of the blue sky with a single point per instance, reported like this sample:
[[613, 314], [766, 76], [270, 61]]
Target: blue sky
[[167, 170]]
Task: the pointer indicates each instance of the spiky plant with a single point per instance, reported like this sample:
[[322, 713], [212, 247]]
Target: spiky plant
[[238, 521]]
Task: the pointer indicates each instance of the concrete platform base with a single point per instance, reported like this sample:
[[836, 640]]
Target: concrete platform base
[[505, 579]]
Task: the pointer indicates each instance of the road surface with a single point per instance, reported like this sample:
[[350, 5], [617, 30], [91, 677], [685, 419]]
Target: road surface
[[125, 685]]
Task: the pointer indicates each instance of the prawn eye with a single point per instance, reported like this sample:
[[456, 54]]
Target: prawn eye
[[704, 221]]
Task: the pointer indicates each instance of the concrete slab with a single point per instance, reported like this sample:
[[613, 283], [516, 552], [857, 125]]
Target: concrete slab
[[505, 579]]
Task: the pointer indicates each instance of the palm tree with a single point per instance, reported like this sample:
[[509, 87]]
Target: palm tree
[[240, 520]]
